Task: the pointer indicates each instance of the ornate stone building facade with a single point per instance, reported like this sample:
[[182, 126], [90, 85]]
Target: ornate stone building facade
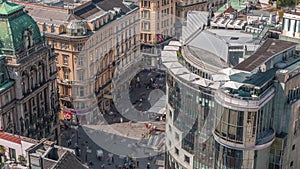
[[90, 40], [29, 96]]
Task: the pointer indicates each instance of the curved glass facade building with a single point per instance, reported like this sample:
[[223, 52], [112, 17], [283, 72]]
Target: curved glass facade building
[[225, 117]]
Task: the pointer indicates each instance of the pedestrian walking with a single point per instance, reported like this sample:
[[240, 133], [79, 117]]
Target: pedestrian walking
[[137, 163], [148, 165]]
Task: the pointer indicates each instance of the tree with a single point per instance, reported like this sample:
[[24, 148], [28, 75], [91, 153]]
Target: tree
[[2, 152], [286, 3], [21, 159]]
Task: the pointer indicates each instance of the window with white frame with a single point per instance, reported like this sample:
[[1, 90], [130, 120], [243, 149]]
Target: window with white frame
[[80, 75], [146, 25], [66, 74], [80, 61], [65, 59], [81, 91]]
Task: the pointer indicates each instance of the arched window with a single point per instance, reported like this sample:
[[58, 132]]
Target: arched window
[[31, 82], [23, 88], [26, 123], [41, 72], [24, 82], [44, 27], [28, 41], [40, 77], [33, 77]]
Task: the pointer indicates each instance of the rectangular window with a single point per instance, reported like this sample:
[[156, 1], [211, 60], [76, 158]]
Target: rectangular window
[[176, 151], [80, 75], [1, 77], [146, 14], [25, 107], [12, 154], [66, 74], [81, 91], [176, 136], [146, 26], [65, 59], [80, 61], [79, 47], [186, 159], [293, 147], [6, 97], [33, 101]]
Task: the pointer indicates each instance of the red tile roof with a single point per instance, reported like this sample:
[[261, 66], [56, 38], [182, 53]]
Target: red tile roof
[[10, 137], [230, 10]]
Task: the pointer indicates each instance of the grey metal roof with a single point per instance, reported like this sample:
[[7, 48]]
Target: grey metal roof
[[267, 50], [69, 160], [212, 43], [233, 36], [209, 61], [260, 13]]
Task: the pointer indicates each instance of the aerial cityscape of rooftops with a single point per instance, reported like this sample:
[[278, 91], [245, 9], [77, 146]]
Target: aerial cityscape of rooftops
[[150, 84]]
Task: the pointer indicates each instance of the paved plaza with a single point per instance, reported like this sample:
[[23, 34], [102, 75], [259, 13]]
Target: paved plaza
[[121, 130]]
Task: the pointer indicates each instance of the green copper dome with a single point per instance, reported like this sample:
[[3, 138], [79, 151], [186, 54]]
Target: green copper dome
[[17, 28]]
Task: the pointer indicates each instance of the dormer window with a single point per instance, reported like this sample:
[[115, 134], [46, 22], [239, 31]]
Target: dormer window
[[44, 27], [52, 28], [28, 39]]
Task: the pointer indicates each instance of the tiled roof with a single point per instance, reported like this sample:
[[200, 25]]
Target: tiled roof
[[268, 49], [10, 137], [99, 6], [230, 10], [48, 15]]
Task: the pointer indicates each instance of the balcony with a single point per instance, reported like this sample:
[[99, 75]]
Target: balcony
[[244, 102], [28, 52], [267, 138], [261, 144]]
